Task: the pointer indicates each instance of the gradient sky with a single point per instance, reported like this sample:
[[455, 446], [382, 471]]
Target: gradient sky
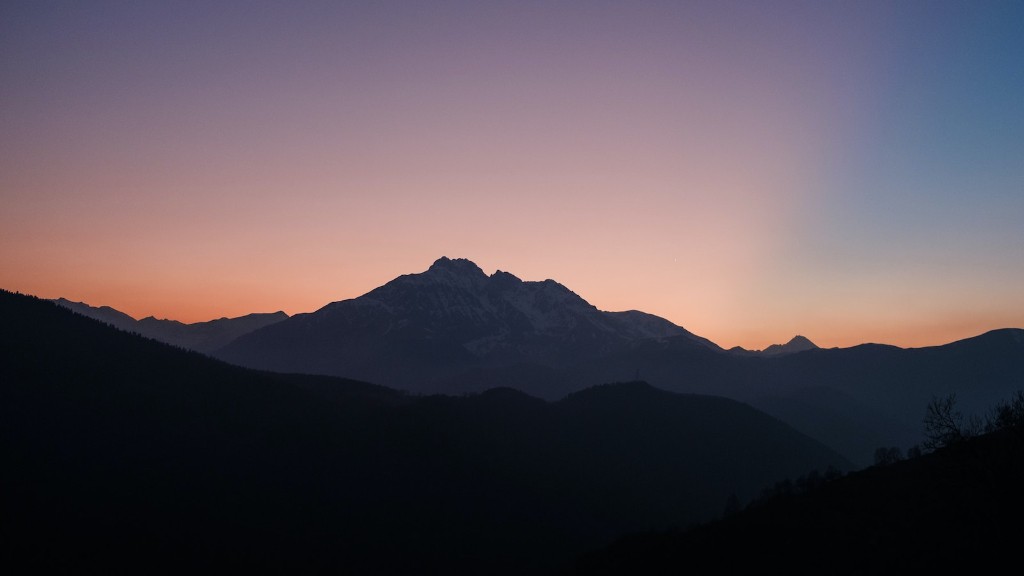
[[849, 171]]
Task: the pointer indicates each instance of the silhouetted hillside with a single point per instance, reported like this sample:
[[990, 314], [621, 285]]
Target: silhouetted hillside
[[121, 452], [956, 510]]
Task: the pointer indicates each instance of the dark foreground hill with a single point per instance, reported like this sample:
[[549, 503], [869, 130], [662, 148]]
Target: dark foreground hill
[[958, 510], [121, 453]]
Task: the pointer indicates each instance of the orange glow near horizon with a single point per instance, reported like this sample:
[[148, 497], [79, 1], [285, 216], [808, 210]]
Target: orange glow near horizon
[[747, 173], [182, 303]]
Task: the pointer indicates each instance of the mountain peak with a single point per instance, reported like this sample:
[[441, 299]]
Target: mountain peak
[[796, 344], [456, 265], [802, 342]]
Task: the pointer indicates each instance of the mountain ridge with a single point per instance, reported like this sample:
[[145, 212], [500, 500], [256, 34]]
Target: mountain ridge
[[199, 336], [448, 320]]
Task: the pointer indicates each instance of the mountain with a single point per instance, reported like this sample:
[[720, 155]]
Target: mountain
[[123, 452], [796, 344], [449, 328], [105, 314], [200, 336], [955, 510]]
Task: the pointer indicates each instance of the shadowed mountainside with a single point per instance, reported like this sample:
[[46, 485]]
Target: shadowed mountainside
[[958, 509], [122, 452]]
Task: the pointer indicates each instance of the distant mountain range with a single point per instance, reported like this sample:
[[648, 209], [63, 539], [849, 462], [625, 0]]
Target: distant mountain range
[[453, 329], [123, 452], [201, 336], [797, 344]]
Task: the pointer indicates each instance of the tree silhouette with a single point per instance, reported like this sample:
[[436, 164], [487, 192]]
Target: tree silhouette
[[732, 505], [945, 425], [1007, 414], [808, 481], [831, 473], [887, 456]]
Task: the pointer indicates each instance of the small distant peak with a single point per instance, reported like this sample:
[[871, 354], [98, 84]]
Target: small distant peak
[[279, 314], [801, 342], [456, 265], [796, 344]]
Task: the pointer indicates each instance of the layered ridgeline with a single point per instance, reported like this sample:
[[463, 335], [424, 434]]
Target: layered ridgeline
[[199, 336], [123, 452], [853, 399], [454, 329]]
